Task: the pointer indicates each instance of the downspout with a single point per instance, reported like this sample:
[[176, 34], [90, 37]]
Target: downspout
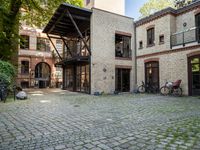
[[135, 47]]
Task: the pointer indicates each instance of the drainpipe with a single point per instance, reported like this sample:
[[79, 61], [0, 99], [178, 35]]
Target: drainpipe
[[135, 47]]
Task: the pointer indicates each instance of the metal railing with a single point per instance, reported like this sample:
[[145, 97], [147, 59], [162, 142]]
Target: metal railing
[[185, 37]]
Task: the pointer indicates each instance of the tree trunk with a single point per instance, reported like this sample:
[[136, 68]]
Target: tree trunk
[[10, 27]]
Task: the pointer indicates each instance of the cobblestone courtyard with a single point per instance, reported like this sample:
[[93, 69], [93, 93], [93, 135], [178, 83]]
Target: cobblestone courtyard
[[58, 119]]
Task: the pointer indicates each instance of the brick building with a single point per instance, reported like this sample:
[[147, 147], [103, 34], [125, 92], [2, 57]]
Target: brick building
[[107, 52], [97, 58], [36, 60], [168, 48]]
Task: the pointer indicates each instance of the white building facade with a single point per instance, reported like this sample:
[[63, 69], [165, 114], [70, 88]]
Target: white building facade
[[114, 6]]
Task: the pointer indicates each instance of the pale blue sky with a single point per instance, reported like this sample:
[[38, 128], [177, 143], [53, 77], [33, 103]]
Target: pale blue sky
[[132, 8]]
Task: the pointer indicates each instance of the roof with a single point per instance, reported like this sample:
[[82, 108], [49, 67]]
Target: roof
[[60, 23], [166, 11]]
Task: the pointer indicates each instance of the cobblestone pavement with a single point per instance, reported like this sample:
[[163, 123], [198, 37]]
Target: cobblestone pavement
[[55, 119]]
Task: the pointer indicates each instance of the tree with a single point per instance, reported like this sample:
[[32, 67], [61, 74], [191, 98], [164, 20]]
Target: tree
[[182, 3], [34, 12], [7, 73], [153, 6], [40, 16]]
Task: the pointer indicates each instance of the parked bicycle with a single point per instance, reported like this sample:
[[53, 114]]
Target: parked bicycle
[[146, 88], [171, 88]]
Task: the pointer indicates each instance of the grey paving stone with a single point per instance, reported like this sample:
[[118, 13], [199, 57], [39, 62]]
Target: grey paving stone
[[135, 121], [60, 147], [89, 146]]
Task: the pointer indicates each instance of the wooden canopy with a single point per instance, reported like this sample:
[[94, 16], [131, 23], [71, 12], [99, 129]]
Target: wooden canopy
[[62, 22]]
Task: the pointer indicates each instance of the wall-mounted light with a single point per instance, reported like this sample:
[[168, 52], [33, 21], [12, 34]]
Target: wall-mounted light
[[150, 71], [184, 24], [104, 70]]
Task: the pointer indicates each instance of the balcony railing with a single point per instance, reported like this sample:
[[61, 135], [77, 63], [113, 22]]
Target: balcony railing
[[188, 36]]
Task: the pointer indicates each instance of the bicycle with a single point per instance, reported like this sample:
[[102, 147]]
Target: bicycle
[[171, 88], [146, 88]]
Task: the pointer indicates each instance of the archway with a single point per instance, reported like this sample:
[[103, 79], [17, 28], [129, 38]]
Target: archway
[[43, 75]]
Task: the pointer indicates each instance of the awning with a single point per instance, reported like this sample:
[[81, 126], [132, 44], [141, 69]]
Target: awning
[[61, 24]]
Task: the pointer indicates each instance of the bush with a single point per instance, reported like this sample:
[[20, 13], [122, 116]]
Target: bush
[[4, 79], [7, 72]]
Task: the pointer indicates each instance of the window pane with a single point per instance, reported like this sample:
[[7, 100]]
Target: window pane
[[43, 44], [122, 46], [195, 68], [161, 39], [25, 67], [59, 46], [150, 36], [24, 42], [195, 60]]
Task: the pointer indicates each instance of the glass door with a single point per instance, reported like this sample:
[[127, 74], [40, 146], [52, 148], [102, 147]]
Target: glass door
[[152, 74], [194, 75], [122, 77], [82, 78], [69, 81]]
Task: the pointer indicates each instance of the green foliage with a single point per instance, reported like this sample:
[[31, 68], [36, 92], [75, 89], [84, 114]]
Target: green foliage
[[7, 72], [182, 3], [34, 12], [153, 6], [40, 14], [4, 79]]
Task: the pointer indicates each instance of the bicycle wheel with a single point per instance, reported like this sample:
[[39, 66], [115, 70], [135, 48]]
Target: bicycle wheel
[[141, 89], [177, 92], [164, 90]]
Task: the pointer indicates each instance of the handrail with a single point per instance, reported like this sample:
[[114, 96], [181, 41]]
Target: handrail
[[184, 37]]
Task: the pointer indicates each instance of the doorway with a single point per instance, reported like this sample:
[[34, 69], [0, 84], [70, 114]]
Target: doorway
[[194, 75], [43, 75], [82, 78], [122, 77], [77, 78], [152, 74]]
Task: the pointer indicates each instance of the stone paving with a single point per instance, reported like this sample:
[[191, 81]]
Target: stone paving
[[56, 120]]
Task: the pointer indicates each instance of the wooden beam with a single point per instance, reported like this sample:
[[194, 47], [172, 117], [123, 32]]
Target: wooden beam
[[54, 37], [81, 18], [54, 47], [86, 41], [79, 32], [56, 22], [66, 45]]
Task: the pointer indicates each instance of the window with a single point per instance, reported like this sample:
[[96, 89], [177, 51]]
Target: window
[[24, 43], [140, 45], [25, 84], [43, 44], [161, 39], [59, 46], [25, 67], [122, 46], [87, 2], [150, 37]]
